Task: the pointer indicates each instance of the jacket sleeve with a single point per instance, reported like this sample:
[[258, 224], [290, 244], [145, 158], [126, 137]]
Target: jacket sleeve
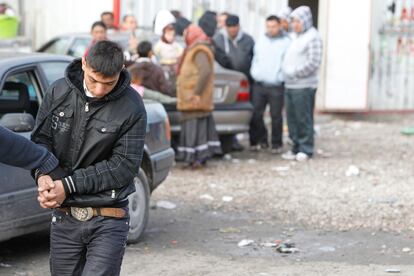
[[42, 133], [313, 59], [221, 57], [18, 151], [117, 171], [163, 85]]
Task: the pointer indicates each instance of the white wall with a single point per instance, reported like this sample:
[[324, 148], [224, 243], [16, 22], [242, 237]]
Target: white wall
[[44, 19], [252, 13]]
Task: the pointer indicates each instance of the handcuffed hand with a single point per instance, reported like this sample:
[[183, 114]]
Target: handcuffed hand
[[51, 193]]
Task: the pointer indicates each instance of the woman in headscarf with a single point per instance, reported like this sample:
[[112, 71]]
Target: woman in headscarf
[[195, 85]]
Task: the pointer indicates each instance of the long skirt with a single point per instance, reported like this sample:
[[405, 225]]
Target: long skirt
[[198, 140]]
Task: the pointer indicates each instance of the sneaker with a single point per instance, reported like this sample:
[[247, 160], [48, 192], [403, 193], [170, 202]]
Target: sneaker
[[276, 150], [289, 156], [301, 157], [255, 148]]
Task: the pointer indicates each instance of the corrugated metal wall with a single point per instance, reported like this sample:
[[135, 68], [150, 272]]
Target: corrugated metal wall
[[392, 60], [44, 19]]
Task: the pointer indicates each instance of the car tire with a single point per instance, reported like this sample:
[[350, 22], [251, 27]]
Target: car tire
[[139, 202]]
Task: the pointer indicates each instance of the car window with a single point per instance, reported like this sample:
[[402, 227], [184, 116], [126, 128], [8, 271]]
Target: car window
[[58, 46], [9, 91], [20, 94], [54, 70], [79, 47]]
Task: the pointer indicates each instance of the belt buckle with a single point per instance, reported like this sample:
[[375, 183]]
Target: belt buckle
[[81, 214]]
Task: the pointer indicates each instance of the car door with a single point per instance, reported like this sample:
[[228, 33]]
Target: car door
[[19, 210]]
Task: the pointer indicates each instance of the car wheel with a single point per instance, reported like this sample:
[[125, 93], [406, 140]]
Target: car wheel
[[138, 207]]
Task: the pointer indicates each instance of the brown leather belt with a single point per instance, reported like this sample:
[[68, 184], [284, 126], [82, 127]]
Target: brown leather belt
[[84, 214]]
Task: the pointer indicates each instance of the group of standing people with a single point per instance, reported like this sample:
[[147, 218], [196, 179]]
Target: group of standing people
[[282, 68]]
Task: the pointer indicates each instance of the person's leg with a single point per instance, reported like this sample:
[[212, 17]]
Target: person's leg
[[106, 247], [291, 118], [257, 127], [304, 102], [276, 105], [67, 250]]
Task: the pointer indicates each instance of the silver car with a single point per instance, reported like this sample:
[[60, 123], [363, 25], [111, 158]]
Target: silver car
[[24, 79], [232, 112]]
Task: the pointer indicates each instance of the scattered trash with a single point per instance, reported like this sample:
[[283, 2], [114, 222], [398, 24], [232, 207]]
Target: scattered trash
[[166, 205], [235, 161], [407, 131], [229, 230], [174, 242], [227, 157], [269, 244], [4, 265], [213, 186], [393, 270], [337, 133], [406, 249], [207, 197], [252, 161], [327, 249], [281, 169], [287, 248], [227, 198], [352, 171], [244, 243]]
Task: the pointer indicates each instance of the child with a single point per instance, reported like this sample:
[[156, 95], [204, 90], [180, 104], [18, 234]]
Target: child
[[137, 75], [167, 50]]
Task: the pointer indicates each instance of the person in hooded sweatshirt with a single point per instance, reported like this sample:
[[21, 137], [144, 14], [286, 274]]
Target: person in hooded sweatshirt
[[300, 68], [167, 50]]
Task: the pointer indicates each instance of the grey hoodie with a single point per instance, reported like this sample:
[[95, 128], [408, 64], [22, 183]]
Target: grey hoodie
[[304, 56]]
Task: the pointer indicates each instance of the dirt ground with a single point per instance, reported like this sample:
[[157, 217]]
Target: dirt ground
[[348, 211]]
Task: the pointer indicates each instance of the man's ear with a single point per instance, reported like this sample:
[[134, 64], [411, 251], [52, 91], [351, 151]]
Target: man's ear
[[83, 63]]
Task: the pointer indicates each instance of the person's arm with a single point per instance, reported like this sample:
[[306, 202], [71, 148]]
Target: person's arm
[[118, 170], [18, 151], [204, 71], [313, 59], [164, 86], [222, 58]]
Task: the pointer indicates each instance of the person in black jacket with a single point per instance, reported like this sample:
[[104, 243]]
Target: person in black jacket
[[95, 123], [18, 151], [208, 23]]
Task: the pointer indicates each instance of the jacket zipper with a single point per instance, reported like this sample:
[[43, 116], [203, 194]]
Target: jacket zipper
[[87, 107]]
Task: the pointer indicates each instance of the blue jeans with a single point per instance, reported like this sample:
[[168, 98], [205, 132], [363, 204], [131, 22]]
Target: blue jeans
[[94, 247], [300, 105]]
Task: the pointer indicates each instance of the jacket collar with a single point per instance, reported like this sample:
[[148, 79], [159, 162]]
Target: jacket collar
[[74, 78]]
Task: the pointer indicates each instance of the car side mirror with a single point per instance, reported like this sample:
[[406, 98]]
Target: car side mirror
[[18, 122]]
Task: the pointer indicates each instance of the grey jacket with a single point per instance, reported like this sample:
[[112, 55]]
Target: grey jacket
[[240, 50]]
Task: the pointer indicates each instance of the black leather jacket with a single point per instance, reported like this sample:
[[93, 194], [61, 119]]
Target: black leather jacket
[[98, 142]]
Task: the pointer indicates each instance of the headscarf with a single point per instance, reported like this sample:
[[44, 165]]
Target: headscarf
[[194, 34]]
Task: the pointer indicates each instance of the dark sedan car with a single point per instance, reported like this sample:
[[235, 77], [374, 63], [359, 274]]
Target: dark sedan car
[[24, 79], [232, 111]]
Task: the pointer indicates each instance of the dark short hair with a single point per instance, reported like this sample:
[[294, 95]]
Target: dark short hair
[[232, 20], [136, 72], [144, 48], [176, 13], [107, 13], [106, 58], [98, 24], [273, 18]]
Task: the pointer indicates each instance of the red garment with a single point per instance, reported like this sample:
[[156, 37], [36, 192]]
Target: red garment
[[193, 34]]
